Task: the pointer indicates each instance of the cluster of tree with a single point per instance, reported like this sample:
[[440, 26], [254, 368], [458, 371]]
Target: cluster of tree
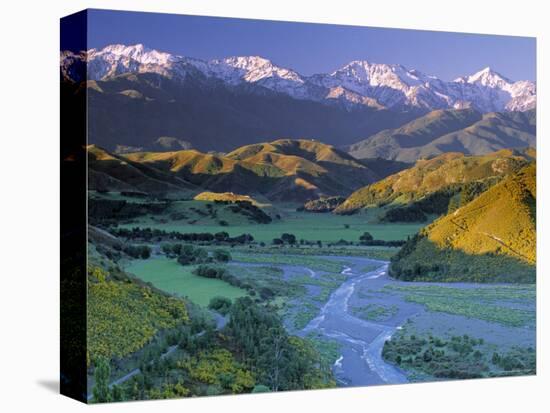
[[440, 202], [280, 361], [457, 358], [209, 271], [221, 273], [172, 250], [517, 361], [189, 254], [113, 252], [138, 251], [367, 239], [410, 213], [220, 304], [251, 211], [221, 256], [468, 192], [199, 335], [255, 354], [147, 234], [289, 239], [101, 391], [323, 204], [341, 242], [193, 255], [106, 212]]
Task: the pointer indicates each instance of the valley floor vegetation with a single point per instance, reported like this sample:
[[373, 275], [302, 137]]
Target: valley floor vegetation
[[456, 357], [216, 293], [177, 349]]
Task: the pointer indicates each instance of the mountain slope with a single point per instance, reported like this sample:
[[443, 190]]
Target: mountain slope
[[131, 112], [108, 172], [288, 170], [495, 235], [465, 131], [429, 176]]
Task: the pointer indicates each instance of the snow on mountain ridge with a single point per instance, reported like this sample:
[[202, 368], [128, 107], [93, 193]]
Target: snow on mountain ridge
[[358, 83]]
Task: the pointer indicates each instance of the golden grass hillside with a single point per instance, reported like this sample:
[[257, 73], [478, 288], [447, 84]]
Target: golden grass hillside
[[287, 170], [490, 239], [109, 172], [429, 176], [224, 196], [502, 220]]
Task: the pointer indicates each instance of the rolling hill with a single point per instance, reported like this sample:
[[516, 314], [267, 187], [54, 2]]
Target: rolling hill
[[109, 172], [448, 171], [440, 131], [283, 170], [492, 238]]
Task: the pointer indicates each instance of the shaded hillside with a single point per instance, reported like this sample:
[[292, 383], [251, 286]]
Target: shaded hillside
[[426, 177], [492, 238], [135, 110], [288, 170], [440, 131], [108, 172], [385, 167]]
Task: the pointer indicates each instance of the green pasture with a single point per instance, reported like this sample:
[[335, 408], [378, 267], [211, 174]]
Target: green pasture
[[325, 227], [169, 276], [315, 263]]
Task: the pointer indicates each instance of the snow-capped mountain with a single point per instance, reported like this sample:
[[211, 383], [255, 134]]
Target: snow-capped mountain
[[262, 72], [359, 83], [499, 91]]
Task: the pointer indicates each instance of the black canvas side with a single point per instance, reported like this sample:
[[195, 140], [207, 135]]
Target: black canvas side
[[73, 215]]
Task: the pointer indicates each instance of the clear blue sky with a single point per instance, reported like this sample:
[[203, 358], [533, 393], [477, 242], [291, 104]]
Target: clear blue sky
[[316, 48]]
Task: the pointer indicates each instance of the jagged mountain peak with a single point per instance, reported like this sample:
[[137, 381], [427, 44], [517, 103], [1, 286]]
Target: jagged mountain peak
[[375, 72], [246, 62], [137, 52], [252, 69], [486, 77], [357, 84]]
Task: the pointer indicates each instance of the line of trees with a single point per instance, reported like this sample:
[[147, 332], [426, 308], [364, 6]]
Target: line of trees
[[148, 234], [286, 238], [188, 254], [367, 239], [138, 251]]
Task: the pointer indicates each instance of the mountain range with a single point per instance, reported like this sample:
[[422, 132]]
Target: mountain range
[[145, 100], [450, 130], [282, 170], [358, 83]]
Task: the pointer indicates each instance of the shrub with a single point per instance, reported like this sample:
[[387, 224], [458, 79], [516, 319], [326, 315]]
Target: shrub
[[222, 256], [220, 304], [366, 237], [193, 255], [288, 238], [138, 251], [211, 272]]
